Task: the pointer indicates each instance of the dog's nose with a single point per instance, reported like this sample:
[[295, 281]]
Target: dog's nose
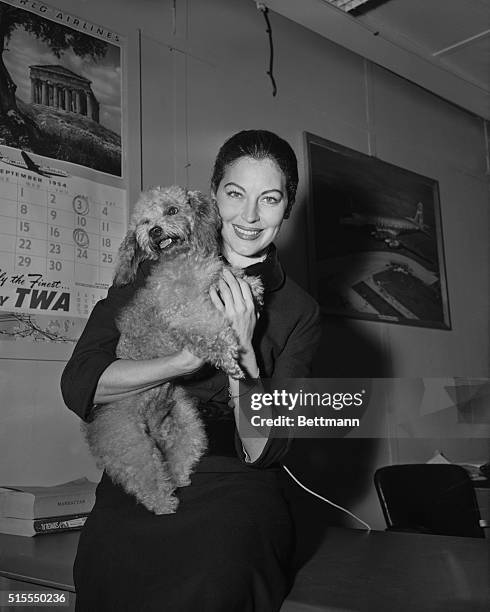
[[156, 232]]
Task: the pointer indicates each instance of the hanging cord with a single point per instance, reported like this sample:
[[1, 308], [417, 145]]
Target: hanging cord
[[265, 11], [325, 499]]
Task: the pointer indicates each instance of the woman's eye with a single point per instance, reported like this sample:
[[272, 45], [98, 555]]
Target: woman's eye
[[270, 200], [233, 194]]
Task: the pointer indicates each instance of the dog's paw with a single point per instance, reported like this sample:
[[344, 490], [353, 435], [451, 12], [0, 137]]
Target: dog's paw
[[182, 481], [257, 288], [232, 368], [165, 505], [255, 283]]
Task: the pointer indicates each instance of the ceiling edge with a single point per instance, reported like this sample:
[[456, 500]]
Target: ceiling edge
[[344, 30]]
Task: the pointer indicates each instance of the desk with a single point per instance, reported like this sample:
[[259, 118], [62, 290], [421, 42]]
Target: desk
[[352, 571], [46, 560], [38, 564]]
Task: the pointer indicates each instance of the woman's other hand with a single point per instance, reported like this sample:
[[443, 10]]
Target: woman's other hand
[[234, 299]]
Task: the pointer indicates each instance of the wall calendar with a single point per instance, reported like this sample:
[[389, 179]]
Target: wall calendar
[[63, 183]]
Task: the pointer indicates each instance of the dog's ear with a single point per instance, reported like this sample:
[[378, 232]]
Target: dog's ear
[[130, 256], [207, 225]]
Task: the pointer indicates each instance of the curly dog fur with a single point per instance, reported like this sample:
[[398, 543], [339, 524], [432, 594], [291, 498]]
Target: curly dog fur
[[150, 442]]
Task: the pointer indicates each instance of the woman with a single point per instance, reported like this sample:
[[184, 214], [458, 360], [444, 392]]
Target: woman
[[228, 546]]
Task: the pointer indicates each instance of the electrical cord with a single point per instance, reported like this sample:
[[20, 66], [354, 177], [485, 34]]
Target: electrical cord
[[265, 11], [324, 498]]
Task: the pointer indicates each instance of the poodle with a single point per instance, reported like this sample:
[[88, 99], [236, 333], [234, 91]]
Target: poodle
[[150, 442]]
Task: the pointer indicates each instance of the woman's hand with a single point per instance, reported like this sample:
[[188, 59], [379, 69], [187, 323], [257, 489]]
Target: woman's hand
[[189, 362], [234, 299]]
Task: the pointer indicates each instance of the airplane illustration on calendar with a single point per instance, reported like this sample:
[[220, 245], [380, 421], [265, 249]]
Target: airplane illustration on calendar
[[30, 165]]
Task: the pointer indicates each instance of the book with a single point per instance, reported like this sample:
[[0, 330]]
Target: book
[[74, 497], [32, 527]]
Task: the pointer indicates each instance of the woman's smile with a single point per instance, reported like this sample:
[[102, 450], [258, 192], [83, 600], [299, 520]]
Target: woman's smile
[[246, 233]]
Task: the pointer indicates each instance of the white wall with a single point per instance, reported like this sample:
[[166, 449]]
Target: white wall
[[206, 80]]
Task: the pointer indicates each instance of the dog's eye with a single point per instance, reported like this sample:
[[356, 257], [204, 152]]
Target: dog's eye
[[172, 210], [156, 232]]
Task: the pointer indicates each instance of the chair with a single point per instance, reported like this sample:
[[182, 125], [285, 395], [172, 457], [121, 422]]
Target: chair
[[428, 498]]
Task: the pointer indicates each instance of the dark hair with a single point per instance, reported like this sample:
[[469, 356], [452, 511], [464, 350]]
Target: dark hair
[[259, 144]]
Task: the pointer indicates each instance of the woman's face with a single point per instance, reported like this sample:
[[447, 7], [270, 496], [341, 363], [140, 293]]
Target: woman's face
[[251, 199]]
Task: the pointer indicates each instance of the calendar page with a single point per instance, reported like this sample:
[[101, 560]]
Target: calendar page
[[59, 237]]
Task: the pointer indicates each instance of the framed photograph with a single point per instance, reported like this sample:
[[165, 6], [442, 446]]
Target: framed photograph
[[375, 238]]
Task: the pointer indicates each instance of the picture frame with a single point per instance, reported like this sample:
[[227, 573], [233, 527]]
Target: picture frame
[[375, 241]]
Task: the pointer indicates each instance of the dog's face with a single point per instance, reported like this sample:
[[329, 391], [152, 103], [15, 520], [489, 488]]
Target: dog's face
[[164, 220], [165, 223]]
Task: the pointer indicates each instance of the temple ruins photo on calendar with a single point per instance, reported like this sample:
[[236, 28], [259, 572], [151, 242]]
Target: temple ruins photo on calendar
[[60, 90]]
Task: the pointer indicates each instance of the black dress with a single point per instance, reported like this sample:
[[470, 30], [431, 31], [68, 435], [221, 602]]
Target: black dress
[[229, 545]]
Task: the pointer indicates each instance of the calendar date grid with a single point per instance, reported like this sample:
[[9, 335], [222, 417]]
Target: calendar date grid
[[59, 233]]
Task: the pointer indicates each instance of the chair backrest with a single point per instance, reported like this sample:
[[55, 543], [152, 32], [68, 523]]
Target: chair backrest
[[429, 498]]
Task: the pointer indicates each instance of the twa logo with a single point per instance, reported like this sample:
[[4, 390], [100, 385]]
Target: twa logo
[[42, 299]]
